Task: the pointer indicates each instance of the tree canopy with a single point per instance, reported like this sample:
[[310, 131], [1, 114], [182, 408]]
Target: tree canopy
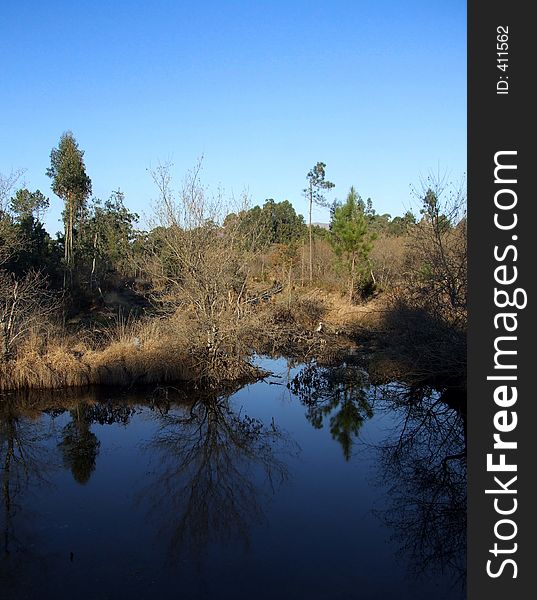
[[350, 235], [71, 183]]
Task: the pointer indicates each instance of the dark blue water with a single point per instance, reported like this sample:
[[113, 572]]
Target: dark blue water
[[312, 484]]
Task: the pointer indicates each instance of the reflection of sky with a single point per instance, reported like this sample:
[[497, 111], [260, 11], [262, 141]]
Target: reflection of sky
[[318, 538]]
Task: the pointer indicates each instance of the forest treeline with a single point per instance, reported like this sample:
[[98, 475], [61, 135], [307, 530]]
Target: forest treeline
[[211, 280]]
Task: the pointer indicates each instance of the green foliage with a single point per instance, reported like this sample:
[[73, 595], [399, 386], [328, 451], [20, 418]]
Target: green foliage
[[401, 225], [68, 172], [351, 237], [109, 236], [350, 229], [27, 244], [317, 184], [79, 445], [70, 183], [338, 395], [29, 204], [282, 222], [431, 210], [275, 223], [37, 250]]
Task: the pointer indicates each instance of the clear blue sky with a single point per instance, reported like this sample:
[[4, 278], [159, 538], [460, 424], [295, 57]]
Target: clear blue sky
[[375, 89]]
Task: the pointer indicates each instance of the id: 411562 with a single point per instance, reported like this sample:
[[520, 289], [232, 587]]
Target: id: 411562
[[502, 59]]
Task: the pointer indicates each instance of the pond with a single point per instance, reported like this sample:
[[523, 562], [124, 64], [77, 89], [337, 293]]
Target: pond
[[313, 483]]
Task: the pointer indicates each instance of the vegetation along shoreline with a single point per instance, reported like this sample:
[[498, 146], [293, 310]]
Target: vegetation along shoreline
[[212, 282]]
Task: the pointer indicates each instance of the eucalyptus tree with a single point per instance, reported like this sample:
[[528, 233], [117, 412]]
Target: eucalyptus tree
[[71, 183], [317, 184]]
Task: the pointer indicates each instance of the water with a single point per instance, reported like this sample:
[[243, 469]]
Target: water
[[311, 484]]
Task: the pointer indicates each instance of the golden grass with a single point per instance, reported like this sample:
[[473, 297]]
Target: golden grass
[[148, 353], [118, 364], [176, 349]]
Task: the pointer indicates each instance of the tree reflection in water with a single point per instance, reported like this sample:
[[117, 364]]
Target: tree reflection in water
[[426, 465], [339, 392], [213, 466], [24, 459], [79, 445], [423, 462]]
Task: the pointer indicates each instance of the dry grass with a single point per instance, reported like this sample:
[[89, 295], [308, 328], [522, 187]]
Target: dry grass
[[130, 353], [315, 324], [69, 362]]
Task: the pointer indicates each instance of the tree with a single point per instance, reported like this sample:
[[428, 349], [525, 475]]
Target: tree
[[79, 445], [29, 204], [200, 267], [26, 306], [275, 223], [401, 225], [337, 394], [350, 236], [438, 279], [109, 238], [70, 183], [9, 241], [282, 222], [314, 194], [34, 249], [214, 466]]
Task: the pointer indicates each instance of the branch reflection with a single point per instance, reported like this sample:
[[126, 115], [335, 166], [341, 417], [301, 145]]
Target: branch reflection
[[23, 459], [426, 465], [214, 467]]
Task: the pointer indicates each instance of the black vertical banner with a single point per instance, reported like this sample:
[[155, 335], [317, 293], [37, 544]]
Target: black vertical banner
[[502, 368]]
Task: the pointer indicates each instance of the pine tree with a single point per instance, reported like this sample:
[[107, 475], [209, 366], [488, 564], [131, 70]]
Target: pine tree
[[350, 236], [314, 194]]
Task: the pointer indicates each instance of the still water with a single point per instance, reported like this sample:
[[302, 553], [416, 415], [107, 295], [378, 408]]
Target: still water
[[311, 484]]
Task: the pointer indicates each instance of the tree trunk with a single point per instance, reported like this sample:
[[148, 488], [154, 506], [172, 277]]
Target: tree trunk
[[68, 242], [311, 235], [351, 285], [302, 258], [289, 285], [94, 261]]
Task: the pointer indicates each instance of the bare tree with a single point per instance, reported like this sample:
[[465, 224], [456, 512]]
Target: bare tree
[[197, 265], [9, 243], [438, 267], [25, 305]]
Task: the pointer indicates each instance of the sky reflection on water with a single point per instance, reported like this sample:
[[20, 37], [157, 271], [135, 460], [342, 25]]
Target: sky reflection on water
[[311, 484]]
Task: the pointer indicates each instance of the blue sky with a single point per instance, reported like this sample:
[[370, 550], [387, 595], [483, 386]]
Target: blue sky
[[264, 90]]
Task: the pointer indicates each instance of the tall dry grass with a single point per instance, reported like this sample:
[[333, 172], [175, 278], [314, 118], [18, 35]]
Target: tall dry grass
[[143, 352]]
